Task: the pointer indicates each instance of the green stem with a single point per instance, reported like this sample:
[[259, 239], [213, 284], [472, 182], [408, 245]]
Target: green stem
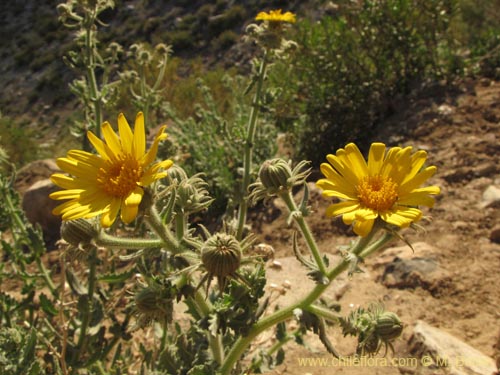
[[83, 340], [154, 220], [273, 349], [92, 80], [304, 228], [323, 312], [247, 156], [46, 276], [146, 97], [204, 307], [180, 225], [21, 226], [377, 245], [106, 240]]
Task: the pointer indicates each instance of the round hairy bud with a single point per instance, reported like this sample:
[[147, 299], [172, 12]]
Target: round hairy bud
[[152, 305], [78, 232], [221, 255], [388, 326], [275, 175]]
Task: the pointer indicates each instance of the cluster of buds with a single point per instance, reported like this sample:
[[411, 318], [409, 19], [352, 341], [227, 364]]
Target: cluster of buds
[[277, 177], [190, 193], [68, 12]]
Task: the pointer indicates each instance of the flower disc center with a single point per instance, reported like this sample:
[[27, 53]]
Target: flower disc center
[[377, 192], [121, 177]]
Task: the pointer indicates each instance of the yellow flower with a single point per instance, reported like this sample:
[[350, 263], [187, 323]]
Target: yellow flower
[[113, 180], [387, 187], [276, 16]]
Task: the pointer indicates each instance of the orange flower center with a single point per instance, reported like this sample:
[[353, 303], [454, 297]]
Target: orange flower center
[[377, 192], [121, 177]]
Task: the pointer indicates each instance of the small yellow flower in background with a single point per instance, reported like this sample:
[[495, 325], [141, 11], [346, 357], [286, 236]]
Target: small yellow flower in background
[[387, 187], [276, 16], [112, 181]]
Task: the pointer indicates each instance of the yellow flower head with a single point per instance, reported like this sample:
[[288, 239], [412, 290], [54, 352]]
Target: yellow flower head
[[387, 187], [276, 16], [113, 180]]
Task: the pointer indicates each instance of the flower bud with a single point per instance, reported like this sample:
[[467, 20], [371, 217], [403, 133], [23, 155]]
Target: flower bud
[[152, 305], [78, 232], [221, 255], [163, 49], [388, 326], [275, 174], [192, 195]]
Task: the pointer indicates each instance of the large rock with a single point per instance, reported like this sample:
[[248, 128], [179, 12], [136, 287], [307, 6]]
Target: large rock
[[491, 197], [38, 209], [439, 349], [33, 172]]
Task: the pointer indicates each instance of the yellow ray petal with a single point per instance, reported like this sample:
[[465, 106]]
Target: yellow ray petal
[[411, 184], [338, 162], [150, 156], [108, 217], [417, 161], [66, 194], [432, 190], [363, 227], [139, 145], [402, 217], [357, 161], [341, 208], [58, 210], [64, 181], [112, 139], [417, 199], [365, 214], [336, 181], [376, 158], [101, 147], [126, 135], [76, 212], [77, 168]]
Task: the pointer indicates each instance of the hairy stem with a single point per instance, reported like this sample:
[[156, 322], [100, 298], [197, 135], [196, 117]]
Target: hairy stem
[[304, 229], [247, 155], [154, 220]]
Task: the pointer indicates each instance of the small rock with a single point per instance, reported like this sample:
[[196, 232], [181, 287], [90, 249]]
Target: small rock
[[445, 110], [416, 272], [420, 249], [491, 197], [38, 209], [485, 169], [495, 234], [437, 348]]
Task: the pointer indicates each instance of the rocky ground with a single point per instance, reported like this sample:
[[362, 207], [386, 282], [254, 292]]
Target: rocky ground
[[450, 281]]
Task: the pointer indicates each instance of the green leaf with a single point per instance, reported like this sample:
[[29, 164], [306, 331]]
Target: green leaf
[[74, 283], [116, 278], [280, 357], [47, 306]]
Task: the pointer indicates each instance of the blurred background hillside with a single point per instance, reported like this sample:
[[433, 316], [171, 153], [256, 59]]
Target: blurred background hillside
[[355, 64]]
